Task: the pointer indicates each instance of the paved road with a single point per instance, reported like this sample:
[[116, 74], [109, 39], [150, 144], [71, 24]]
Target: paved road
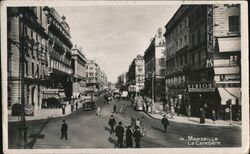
[[86, 130]]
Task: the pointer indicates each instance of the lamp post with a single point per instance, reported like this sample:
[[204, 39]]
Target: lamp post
[[22, 128], [152, 76]]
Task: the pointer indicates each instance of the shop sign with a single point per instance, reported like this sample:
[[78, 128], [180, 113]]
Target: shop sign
[[201, 87]]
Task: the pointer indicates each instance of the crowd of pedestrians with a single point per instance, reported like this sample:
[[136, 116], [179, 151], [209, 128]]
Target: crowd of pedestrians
[[134, 131]]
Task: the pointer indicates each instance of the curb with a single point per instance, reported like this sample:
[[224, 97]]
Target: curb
[[150, 115], [48, 117], [198, 124]]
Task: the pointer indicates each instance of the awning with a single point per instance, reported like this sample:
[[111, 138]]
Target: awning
[[227, 70], [76, 95], [229, 44], [50, 95], [62, 95], [230, 94]]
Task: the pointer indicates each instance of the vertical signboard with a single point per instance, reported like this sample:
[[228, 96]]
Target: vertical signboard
[[209, 61]]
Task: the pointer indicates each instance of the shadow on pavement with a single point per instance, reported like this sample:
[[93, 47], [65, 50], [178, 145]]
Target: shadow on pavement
[[159, 129], [36, 136], [112, 141]]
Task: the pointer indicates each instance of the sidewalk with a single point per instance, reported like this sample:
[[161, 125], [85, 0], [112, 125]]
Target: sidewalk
[[159, 113], [40, 114]]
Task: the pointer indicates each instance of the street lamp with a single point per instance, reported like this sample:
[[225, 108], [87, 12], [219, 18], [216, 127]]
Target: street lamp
[[152, 76], [23, 48]]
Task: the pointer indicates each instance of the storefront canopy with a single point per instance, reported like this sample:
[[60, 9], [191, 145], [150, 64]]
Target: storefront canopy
[[61, 94], [76, 95], [229, 44], [227, 70], [230, 94], [50, 95]]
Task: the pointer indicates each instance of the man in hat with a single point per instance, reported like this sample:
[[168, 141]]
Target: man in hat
[[165, 123], [64, 130], [137, 135], [119, 130], [112, 124]]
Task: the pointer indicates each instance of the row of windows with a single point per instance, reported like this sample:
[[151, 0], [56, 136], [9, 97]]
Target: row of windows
[[35, 72], [198, 36], [178, 61], [177, 45], [196, 58]]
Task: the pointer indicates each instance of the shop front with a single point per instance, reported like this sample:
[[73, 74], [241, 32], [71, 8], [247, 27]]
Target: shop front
[[230, 100], [176, 98], [202, 96], [52, 98]]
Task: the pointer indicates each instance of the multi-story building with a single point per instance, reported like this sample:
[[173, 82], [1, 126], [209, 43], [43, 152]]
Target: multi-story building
[[136, 73], [154, 58], [177, 41], [79, 63], [103, 81], [212, 73], [59, 82], [27, 57], [39, 58], [122, 82], [93, 71]]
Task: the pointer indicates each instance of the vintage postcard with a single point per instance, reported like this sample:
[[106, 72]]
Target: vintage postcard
[[125, 76]]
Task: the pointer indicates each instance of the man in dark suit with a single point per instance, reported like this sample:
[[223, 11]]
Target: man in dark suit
[[165, 123], [64, 130], [119, 130]]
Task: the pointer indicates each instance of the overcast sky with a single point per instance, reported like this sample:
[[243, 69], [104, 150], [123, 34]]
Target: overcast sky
[[114, 35]]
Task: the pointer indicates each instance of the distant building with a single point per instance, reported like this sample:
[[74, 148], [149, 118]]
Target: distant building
[[154, 58], [122, 82], [79, 63], [136, 73]]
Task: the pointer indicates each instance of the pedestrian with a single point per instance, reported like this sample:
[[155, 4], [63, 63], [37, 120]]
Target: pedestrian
[[165, 123], [133, 121], [76, 105], [178, 109], [137, 135], [172, 111], [142, 123], [202, 116], [189, 111], [147, 106], [98, 111], [112, 124], [167, 108], [137, 122], [119, 130], [129, 137], [64, 130], [213, 116], [144, 106], [114, 109], [121, 109]]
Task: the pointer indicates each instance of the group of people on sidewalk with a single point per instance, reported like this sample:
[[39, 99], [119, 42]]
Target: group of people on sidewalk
[[134, 130]]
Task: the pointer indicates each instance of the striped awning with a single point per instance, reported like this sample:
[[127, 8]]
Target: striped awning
[[230, 94]]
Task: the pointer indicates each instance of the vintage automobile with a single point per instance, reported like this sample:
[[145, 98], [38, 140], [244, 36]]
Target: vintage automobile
[[88, 105], [116, 95], [124, 95], [138, 103]]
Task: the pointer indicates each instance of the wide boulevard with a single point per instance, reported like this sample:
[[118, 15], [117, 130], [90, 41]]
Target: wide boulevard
[[87, 130]]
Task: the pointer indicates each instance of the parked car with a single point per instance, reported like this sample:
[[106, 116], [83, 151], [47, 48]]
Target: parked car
[[124, 95], [88, 105], [116, 95]]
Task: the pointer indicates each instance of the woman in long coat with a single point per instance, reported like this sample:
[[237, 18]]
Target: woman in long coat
[[129, 137]]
